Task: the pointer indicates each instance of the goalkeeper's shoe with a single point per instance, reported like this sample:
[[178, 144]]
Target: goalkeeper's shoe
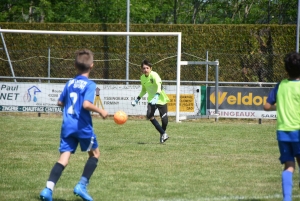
[[46, 194], [164, 137], [80, 190]]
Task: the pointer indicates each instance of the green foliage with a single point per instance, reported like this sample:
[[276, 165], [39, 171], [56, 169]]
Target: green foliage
[[249, 53], [148, 12]]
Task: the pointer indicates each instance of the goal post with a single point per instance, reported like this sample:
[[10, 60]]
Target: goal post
[[86, 33], [216, 93]]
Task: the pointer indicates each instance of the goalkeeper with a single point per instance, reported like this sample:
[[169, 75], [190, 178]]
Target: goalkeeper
[[157, 99]]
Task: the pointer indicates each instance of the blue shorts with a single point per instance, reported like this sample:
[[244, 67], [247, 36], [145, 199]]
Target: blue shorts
[[71, 142], [288, 151]]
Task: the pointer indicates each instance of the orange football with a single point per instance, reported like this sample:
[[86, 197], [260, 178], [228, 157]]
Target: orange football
[[120, 117]]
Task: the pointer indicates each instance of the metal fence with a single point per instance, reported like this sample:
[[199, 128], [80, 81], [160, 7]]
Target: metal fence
[[233, 68]]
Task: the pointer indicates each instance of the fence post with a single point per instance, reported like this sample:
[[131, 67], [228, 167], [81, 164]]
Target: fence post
[[49, 63], [206, 71], [217, 91]]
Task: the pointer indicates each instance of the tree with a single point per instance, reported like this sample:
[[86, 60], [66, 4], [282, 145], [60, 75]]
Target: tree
[[151, 11]]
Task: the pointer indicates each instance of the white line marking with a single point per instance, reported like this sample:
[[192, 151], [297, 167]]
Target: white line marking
[[267, 197]]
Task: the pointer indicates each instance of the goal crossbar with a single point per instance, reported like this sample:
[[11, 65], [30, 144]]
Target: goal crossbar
[[91, 33], [214, 63]]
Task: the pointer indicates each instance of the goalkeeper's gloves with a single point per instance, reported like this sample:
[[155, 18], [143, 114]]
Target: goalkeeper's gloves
[[154, 99], [133, 103]]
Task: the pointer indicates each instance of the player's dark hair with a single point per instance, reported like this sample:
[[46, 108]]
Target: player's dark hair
[[292, 64], [84, 59], [146, 62]]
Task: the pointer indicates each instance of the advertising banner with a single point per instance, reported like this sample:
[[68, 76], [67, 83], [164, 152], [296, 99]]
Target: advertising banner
[[42, 97], [239, 102], [234, 102]]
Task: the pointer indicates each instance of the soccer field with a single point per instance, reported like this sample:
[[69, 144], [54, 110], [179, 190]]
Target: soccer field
[[203, 160]]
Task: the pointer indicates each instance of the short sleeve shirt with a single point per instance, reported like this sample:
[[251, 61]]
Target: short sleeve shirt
[[76, 119]]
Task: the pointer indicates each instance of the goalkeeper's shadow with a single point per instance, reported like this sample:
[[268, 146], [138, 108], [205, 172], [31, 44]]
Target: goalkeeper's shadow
[[145, 143]]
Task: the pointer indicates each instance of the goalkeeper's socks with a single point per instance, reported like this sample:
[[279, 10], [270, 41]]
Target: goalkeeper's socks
[[157, 126], [287, 185]]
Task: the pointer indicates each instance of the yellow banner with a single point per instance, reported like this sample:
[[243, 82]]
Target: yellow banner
[[186, 103]]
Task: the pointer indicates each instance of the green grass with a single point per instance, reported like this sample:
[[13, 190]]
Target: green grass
[[202, 160]]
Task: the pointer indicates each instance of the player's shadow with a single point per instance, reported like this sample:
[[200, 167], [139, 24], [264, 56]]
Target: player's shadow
[[144, 143], [60, 199], [250, 200]]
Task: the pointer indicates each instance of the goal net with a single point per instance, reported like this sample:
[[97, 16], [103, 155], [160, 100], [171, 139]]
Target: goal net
[[38, 63]]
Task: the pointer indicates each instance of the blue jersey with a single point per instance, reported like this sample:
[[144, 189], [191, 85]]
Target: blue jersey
[[286, 95], [76, 119]]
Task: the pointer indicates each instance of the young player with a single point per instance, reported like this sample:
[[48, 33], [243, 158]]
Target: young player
[[77, 128], [157, 99], [285, 99]]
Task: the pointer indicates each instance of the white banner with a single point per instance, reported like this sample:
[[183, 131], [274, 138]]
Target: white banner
[[244, 114], [42, 97]]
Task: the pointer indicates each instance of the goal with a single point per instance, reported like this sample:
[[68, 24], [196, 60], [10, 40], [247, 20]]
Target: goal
[[38, 63]]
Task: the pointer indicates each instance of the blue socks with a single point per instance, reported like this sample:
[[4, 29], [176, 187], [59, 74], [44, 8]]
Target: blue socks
[[287, 185], [84, 181]]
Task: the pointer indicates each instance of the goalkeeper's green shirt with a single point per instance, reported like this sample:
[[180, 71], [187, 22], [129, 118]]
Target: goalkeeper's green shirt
[[152, 85]]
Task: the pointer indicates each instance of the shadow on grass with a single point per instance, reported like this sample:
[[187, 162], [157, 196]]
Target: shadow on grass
[[61, 199], [143, 143], [250, 200]]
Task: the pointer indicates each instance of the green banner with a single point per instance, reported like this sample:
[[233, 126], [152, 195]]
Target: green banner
[[203, 100]]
